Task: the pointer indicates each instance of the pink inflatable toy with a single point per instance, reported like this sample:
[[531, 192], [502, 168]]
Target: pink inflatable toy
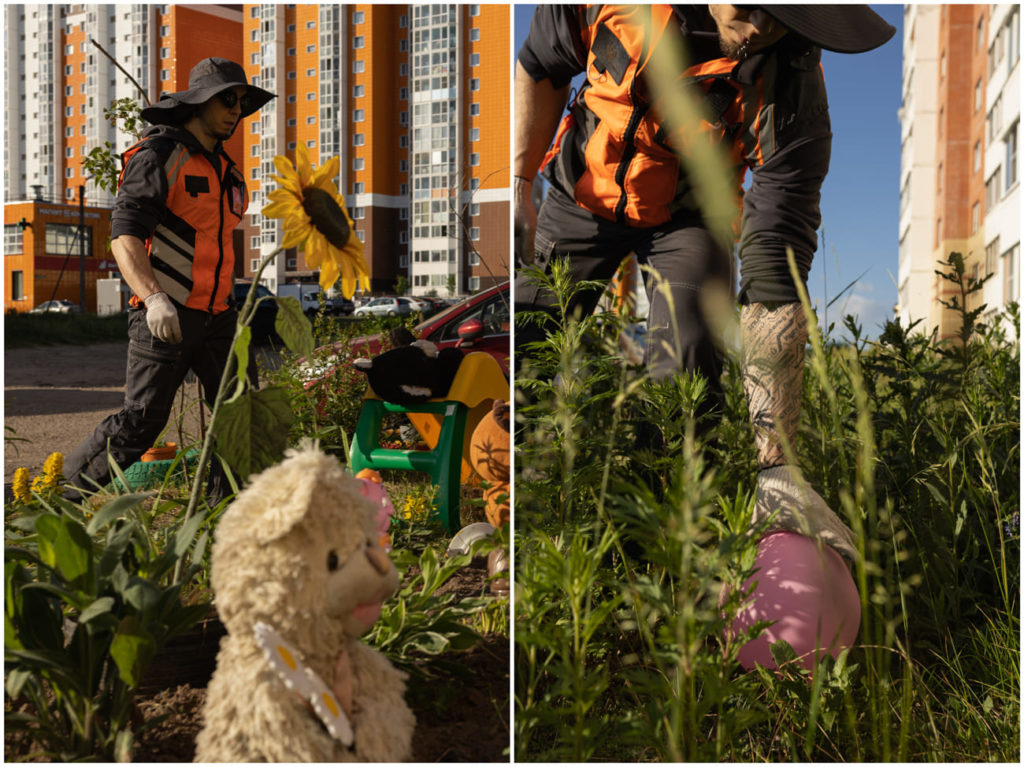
[[809, 593], [373, 489]]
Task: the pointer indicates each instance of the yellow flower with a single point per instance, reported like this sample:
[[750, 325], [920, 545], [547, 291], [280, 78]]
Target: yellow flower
[[52, 468], [315, 220], [19, 485]]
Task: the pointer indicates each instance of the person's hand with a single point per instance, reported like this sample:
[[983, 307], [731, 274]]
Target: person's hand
[[525, 219], [802, 510], [162, 318]]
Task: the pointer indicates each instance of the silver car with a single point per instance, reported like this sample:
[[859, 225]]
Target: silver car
[[59, 306], [389, 306]]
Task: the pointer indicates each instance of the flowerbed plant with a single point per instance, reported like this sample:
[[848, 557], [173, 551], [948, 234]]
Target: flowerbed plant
[[620, 649]]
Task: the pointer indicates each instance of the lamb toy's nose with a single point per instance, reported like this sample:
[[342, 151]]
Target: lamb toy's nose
[[378, 558]]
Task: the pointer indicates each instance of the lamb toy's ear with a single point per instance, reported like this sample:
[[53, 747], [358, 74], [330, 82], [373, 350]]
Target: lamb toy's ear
[[278, 499]]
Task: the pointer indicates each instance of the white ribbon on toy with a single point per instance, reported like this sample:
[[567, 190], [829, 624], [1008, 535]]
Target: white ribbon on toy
[[300, 678]]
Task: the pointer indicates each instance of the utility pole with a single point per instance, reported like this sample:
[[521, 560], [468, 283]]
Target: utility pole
[[82, 246]]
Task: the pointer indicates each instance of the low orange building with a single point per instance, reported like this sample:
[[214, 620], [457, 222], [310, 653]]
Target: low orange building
[[42, 257]]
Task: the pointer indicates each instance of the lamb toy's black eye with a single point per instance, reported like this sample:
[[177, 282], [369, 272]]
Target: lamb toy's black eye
[[332, 561]]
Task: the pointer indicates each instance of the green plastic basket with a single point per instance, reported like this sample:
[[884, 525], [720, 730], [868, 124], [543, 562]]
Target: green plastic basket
[[146, 475]]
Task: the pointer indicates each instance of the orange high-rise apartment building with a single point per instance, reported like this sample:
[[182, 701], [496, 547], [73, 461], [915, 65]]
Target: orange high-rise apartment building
[[414, 100]]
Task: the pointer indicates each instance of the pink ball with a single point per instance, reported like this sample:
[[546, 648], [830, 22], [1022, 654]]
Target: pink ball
[[809, 593]]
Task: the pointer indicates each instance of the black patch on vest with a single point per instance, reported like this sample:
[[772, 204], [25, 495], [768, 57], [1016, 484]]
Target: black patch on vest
[[609, 54], [197, 185]]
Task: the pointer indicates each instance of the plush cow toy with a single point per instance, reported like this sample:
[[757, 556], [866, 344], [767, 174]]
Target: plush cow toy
[[412, 372], [298, 574]]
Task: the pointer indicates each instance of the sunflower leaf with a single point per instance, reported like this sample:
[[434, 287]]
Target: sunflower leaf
[[252, 429], [293, 326]]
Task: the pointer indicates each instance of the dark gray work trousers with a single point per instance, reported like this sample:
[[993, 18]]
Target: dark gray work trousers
[[154, 372], [686, 258]]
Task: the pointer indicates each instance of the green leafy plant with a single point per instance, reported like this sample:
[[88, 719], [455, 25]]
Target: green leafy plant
[[87, 605]]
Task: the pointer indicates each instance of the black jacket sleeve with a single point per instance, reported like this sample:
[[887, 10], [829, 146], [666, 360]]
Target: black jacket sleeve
[[555, 48], [142, 196], [782, 207]]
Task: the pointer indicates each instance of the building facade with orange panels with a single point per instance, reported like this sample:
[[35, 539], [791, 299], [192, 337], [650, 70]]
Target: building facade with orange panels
[[347, 86]]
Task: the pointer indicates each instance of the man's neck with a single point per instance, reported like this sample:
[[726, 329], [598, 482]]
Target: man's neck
[[208, 142]]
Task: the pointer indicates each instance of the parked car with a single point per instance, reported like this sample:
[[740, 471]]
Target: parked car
[[266, 311], [309, 297], [385, 306], [489, 308], [58, 306]]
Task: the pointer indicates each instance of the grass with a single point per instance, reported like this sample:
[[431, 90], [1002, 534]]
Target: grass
[[620, 651], [22, 331]]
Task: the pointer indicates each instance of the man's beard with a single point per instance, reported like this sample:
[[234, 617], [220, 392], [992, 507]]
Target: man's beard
[[732, 50]]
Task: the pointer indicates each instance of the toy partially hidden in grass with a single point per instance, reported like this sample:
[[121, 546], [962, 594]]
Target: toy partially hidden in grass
[[411, 373], [807, 590]]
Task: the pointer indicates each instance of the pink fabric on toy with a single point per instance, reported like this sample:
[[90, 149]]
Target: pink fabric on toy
[[809, 593], [373, 489]]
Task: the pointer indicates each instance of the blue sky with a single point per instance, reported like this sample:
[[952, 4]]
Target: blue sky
[[860, 197]]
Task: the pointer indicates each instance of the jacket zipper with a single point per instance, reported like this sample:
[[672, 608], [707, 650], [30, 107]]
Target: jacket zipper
[[630, 138], [220, 240]]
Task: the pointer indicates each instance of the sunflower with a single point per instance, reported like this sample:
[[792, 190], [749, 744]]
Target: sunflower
[[315, 220]]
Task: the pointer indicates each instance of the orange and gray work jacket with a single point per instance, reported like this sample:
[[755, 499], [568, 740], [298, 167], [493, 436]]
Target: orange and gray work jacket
[[185, 203], [619, 159]]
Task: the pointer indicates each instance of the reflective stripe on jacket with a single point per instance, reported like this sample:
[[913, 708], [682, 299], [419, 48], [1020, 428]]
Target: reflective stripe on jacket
[[191, 250], [614, 153]]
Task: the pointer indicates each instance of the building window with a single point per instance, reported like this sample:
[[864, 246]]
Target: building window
[[17, 278], [358, 91], [165, 75], [977, 95], [976, 162], [403, 166], [403, 21], [474, 259], [164, 31], [165, 53], [979, 42], [290, 52], [357, 17], [474, 134], [474, 233], [292, 122], [291, 146], [311, 96], [61, 238], [942, 65], [474, 209], [474, 283], [69, 152], [1011, 156], [474, 183], [403, 45], [403, 94], [358, 115], [358, 42], [358, 187], [991, 253], [474, 59], [403, 119], [254, 12], [975, 217], [403, 141], [254, 174], [1010, 289], [992, 191], [310, 72], [1013, 38], [358, 212], [254, 36], [291, 98], [311, 143], [474, 159], [474, 110], [310, 25], [403, 189], [403, 70], [292, 75], [12, 243], [69, 111], [291, 28], [311, 120], [358, 66], [938, 231], [361, 235], [358, 163], [358, 139], [69, 173], [254, 265], [474, 10], [254, 60], [254, 127], [474, 83], [403, 214]]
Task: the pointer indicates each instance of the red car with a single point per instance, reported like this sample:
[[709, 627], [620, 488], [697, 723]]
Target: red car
[[482, 321]]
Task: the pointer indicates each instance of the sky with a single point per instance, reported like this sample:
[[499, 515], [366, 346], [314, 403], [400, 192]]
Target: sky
[[860, 196]]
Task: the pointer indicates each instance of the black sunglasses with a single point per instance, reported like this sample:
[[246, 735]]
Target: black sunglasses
[[230, 98]]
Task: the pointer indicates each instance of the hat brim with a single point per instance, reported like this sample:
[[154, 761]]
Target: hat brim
[[174, 108], [839, 28]]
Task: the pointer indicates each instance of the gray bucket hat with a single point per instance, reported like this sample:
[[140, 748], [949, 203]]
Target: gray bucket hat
[[207, 78]]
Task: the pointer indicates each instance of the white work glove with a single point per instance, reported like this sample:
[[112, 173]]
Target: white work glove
[[802, 510], [162, 318]]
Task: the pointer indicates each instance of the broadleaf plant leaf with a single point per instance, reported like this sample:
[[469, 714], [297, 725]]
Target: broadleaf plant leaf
[[252, 430], [293, 326]]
